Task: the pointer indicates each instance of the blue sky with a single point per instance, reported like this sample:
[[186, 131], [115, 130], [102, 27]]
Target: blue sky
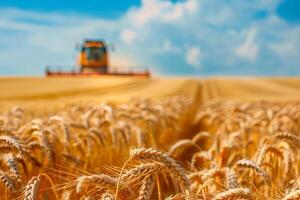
[[97, 8], [183, 37]]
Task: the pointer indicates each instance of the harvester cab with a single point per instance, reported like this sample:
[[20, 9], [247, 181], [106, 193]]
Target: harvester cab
[[93, 59]]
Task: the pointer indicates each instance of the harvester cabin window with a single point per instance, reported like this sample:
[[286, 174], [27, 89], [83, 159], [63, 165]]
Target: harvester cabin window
[[94, 53]]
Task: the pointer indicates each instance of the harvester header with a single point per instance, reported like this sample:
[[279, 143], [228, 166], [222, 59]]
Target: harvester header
[[93, 59]]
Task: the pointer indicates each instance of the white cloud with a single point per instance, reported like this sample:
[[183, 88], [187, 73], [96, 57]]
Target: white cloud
[[191, 5], [161, 11], [285, 49], [150, 9], [174, 14], [288, 47], [193, 57], [128, 36], [249, 48], [167, 47], [179, 10]]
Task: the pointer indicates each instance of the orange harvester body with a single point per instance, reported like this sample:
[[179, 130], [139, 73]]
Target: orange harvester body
[[93, 59]]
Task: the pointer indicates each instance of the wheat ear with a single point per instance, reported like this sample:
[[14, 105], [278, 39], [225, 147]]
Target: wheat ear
[[32, 187], [237, 193], [146, 189], [150, 154]]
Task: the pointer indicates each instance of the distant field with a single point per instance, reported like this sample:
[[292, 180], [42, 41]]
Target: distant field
[[35, 92]]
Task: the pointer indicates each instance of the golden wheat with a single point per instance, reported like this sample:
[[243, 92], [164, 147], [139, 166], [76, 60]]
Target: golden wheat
[[152, 149]]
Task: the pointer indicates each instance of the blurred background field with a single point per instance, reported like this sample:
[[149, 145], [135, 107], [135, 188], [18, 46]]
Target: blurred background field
[[52, 93]]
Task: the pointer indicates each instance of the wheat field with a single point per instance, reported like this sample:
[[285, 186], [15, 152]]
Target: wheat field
[[130, 138]]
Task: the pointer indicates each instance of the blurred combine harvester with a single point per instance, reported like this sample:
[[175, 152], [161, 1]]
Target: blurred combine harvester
[[94, 60]]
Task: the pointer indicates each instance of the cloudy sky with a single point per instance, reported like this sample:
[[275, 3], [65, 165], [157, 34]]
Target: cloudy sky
[[169, 37]]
